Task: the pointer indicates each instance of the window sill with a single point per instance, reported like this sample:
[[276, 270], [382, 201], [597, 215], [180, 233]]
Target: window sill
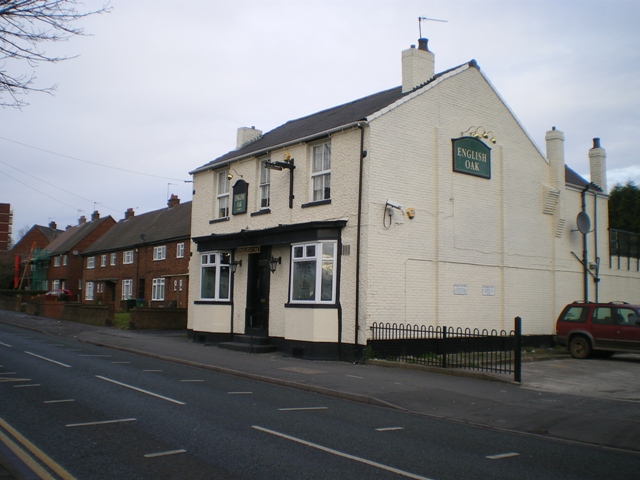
[[218, 220], [310, 305], [315, 204], [261, 212]]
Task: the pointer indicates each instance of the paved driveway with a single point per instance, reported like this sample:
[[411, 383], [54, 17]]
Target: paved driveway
[[615, 378]]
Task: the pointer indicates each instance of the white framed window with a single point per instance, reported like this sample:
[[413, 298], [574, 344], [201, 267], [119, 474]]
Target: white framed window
[[313, 267], [100, 287], [175, 285], [157, 289], [113, 259], [160, 253], [55, 285], [180, 285], [222, 195], [265, 185], [215, 277], [91, 262], [127, 289], [180, 250], [56, 261], [127, 257], [88, 292], [103, 260], [64, 260], [321, 172]]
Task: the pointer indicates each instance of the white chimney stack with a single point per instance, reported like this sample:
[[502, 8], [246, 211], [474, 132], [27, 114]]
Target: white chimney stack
[[598, 165], [247, 135], [418, 66], [555, 155]]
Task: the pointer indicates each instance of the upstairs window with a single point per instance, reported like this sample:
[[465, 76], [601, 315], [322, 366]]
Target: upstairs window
[[91, 262], [103, 261], [222, 197], [56, 261], [265, 185], [127, 257], [113, 259], [312, 272], [180, 250], [215, 276], [321, 172], [64, 260], [159, 253]]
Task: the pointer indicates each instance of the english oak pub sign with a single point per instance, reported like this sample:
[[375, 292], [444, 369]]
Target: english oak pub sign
[[471, 156], [239, 197]]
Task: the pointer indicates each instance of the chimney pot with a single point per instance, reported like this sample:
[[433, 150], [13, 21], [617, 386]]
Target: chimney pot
[[596, 143], [422, 44], [173, 201]]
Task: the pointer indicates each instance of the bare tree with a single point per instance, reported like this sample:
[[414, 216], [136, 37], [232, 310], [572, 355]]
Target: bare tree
[[25, 25]]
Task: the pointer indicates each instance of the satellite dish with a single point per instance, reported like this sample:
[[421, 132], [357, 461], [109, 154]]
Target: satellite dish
[[584, 223], [75, 252]]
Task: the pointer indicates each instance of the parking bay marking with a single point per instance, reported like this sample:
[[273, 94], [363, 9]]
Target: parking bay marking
[[164, 454], [341, 454], [6, 345], [294, 409], [140, 390], [48, 359]]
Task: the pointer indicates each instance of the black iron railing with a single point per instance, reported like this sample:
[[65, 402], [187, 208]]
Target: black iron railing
[[449, 347]]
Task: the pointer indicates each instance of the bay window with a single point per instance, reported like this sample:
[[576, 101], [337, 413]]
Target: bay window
[[313, 267], [215, 276]]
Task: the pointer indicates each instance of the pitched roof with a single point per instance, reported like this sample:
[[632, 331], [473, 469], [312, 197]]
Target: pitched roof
[[158, 226], [73, 235], [321, 123]]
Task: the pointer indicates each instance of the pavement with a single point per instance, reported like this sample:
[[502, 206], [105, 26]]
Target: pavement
[[551, 401]]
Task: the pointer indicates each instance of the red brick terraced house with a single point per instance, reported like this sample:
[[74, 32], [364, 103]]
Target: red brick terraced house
[[142, 260], [29, 274], [65, 262]]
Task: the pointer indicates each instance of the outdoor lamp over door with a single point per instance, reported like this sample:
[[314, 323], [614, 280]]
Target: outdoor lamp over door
[[274, 262], [235, 265]]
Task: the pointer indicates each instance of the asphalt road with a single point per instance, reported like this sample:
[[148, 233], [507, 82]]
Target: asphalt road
[[98, 413]]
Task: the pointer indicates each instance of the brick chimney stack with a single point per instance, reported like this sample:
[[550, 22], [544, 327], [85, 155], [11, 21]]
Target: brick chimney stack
[[53, 225], [82, 220], [129, 213], [173, 201], [95, 215]]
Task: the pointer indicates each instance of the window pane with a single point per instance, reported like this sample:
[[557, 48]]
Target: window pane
[[327, 250], [304, 280], [318, 188], [327, 187], [225, 258], [317, 159], [327, 157], [327, 281], [208, 283], [298, 252], [224, 282], [311, 250]]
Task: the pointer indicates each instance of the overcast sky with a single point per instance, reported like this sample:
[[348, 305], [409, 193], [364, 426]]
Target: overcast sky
[[160, 87]]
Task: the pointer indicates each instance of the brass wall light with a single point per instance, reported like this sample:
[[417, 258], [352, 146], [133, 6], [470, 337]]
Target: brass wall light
[[273, 263], [479, 132]]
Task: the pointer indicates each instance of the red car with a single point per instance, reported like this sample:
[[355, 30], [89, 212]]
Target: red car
[[58, 293], [605, 328]]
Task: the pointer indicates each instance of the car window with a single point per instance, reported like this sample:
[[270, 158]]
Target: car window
[[603, 316], [574, 314], [627, 316]]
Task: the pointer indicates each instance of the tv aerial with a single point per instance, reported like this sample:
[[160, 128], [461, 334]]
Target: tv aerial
[[426, 19]]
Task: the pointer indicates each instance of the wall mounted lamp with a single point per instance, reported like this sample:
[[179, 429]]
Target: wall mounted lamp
[[479, 132], [235, 265], [273, 263], [230, 175]]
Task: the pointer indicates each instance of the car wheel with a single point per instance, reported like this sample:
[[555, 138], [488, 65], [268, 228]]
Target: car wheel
[[580, 347]]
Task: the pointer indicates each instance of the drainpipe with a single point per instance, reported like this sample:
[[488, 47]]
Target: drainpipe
[[596, 279], [585, 265], [363, 154]]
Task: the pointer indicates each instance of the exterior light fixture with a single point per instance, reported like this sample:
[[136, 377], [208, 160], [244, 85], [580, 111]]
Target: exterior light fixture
[[235, 265], [273, 263], [479, 132]]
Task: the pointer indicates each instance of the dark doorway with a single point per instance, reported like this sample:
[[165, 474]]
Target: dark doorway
[[257, 311]]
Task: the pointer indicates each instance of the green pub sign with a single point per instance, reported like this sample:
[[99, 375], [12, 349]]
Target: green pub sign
[[471, 156], [239, 197]]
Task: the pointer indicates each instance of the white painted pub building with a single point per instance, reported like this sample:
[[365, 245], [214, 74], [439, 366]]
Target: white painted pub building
[[424, 204]]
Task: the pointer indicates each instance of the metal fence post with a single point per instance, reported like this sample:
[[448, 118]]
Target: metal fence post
[[517, 354], [444, 347]]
